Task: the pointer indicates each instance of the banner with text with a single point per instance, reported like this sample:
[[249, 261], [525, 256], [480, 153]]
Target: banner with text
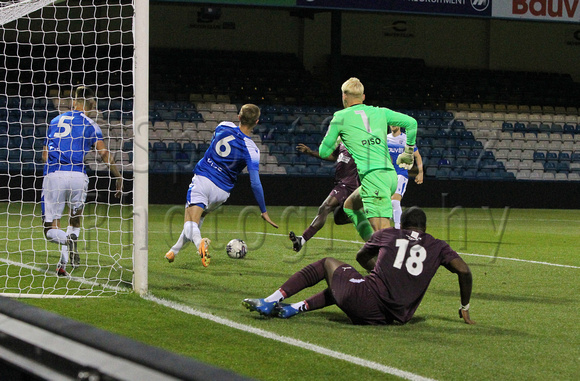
[[544, 10], [480, 8]]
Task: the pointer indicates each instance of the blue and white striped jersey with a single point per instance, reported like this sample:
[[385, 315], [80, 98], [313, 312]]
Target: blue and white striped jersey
[[396, 146]]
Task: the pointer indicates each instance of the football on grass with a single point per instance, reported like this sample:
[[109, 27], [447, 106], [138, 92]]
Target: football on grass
[[236, 248]]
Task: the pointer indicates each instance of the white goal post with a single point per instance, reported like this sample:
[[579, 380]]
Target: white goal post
[[48, 49]]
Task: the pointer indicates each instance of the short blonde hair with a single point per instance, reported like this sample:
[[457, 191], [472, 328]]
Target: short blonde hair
[[249, 115], [354, 87], [85, 97]]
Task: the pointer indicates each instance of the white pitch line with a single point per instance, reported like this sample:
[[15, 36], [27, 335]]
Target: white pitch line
[[521, 260], [469, 254], [290, 341]]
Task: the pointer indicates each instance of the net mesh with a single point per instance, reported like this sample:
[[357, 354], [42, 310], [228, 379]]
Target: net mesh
[[48, 48]]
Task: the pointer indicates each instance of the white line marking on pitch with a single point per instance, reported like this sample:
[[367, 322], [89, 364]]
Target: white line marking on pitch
[[288, 340], [469, 254]]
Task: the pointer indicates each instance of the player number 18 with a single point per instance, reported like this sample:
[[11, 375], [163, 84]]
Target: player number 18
[[417, 255]]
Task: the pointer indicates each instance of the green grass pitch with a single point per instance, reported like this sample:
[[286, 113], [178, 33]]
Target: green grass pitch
[[526, 309]]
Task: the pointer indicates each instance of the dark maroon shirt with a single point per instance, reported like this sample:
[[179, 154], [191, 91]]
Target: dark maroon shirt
[[345, 172], [407, 261]]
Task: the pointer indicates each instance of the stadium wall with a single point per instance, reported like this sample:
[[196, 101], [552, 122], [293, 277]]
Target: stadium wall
[[311, 191], [440, 41]]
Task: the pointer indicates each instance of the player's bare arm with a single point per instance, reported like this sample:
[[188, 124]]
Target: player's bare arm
[[367, 257], [459, 267], [419, 162], [110, 162], [44, 154], [307, 150]]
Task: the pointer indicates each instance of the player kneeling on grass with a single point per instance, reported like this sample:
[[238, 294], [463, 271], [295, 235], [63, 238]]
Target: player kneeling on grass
[[230, 151], [401, 265]]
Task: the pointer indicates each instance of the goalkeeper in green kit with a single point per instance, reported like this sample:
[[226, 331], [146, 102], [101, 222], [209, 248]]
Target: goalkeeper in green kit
[[363, 130]]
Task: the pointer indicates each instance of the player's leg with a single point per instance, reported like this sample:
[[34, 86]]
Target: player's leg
[[329, 204], [396, 200], [319, 300], [376, 196], [203, 196], [353, 207], [79, 183], [306, 277], [54, 200], [340, 217]]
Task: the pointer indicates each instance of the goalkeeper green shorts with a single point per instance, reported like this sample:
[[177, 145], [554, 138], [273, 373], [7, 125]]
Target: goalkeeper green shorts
[[377, 188]]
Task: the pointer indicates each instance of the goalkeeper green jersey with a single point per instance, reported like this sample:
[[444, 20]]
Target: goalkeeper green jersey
[[363, 130]]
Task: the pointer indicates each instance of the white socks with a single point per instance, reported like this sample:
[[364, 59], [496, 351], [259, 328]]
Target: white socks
[[275, 297], [56, 236], [192, 233], [397, 211]]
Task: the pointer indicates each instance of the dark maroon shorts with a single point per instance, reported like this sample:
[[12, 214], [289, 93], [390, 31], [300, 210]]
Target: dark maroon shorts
[[341, 192], [354, 297]]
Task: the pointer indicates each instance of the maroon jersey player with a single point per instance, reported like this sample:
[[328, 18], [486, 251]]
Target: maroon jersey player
[[345, 182], [401, 264]]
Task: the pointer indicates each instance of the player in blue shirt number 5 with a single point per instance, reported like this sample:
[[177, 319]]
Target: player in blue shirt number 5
[[70, 137], [230, 151]]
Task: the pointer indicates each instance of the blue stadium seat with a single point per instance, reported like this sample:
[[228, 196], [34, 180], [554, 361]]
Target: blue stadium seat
[[563, 167], [507, 127], [474, 154], [519, 127], [549, 166], [431, 171], [544, 127], [444, 163], [462, 154], [439, 143], [482, 175], [436, 153], [552, 156], [575, 157], [467, 135], [569, 129], [470, 174], [556, 128], [456, 174], [539, 156]]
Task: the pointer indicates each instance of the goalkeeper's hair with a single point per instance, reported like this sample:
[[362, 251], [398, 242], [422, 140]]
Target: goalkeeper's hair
[[249, 115], [414, 218], [353, 87], [84, 97]]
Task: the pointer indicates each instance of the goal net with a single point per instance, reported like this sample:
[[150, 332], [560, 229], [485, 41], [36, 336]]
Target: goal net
[[49, 48]]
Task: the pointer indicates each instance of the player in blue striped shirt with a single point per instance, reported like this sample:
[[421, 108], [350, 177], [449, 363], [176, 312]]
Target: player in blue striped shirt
[[396, 141], [70, 137], [230, 151]]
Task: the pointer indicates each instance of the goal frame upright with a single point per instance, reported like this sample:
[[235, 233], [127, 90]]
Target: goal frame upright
[[141, 147]]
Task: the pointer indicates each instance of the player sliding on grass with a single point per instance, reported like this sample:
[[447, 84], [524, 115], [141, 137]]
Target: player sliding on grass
[[363, 130], [69, 138], [401, 262], [345, 182], [230, 151], [396, 141]]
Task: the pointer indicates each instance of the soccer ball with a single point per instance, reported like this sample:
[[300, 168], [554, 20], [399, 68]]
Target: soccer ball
[[236, 249]]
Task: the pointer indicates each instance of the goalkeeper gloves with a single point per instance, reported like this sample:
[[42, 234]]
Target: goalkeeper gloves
[[405, 160]]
